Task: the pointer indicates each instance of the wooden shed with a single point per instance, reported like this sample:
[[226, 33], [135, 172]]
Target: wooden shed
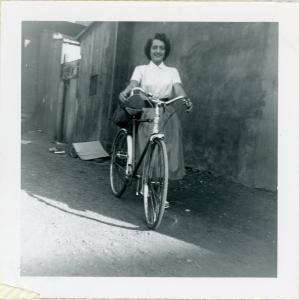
[[103, 70]]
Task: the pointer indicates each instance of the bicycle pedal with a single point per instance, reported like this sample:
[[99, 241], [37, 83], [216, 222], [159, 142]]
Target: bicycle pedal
[[139, 193]]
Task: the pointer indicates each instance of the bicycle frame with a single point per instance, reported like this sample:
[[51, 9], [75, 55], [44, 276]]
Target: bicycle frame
[[133, 166], [155, 134], [153, 160]]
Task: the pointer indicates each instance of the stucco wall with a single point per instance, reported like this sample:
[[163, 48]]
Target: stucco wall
[[229, 70]]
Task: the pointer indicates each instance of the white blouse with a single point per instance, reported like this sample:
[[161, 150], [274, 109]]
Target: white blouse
[[157, 80]]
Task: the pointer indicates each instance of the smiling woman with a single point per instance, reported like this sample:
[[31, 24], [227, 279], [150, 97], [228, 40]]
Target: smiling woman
[[157, 51], [162, 82]]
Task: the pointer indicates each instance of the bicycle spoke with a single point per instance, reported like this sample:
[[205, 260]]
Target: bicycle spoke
[[156, 191], [156, 180], [152, 214], [118, 165], [120, 179], [120, 168], [154, 203]]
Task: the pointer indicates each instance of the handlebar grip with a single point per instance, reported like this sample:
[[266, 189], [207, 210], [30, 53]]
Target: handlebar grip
[[141, 90]]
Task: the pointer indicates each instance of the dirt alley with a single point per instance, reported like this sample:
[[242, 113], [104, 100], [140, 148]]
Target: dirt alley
[[72, 225]]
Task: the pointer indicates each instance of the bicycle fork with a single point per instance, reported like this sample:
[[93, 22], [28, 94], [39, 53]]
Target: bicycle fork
[[129, 166]]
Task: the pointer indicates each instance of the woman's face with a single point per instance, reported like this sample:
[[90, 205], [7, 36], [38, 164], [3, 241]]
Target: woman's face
[[157, 51]]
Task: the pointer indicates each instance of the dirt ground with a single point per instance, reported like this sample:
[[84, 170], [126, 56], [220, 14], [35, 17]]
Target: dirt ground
[[73, 226]]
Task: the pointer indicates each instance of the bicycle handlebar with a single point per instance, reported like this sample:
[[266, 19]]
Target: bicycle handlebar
[[158, 101], [152, 99]]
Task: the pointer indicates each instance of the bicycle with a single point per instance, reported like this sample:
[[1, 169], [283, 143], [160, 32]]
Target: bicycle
[[154, 179]]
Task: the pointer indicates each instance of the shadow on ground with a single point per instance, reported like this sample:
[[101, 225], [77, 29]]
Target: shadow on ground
[[213, 213]]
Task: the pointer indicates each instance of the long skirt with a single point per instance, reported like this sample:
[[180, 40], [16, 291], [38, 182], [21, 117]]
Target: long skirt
[[169, 125]]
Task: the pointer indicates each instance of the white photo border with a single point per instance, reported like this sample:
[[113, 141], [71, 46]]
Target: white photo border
[[286, 285]]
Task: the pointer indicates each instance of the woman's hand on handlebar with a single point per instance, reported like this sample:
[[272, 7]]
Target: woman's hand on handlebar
[[188, 104], [125, 93], [123, 96]]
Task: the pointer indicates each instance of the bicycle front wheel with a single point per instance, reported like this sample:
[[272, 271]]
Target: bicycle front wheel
[[155, 183], [118, 164]]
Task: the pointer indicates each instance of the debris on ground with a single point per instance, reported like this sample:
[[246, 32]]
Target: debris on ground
[[53, 149], [56, 150], [24, 142], [90, 150], [59, 152], [71, 151]]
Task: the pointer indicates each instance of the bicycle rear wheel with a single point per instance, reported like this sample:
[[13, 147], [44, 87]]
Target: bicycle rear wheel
[[155, 183], [118, 164]]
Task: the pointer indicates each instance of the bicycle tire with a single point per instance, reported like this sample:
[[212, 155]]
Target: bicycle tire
[[118, 164], [155, 183]]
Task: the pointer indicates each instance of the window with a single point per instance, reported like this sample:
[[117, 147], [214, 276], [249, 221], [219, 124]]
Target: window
[[93, 85]]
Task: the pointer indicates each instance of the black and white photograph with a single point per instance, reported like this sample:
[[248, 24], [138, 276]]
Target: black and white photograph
[[150, 150]]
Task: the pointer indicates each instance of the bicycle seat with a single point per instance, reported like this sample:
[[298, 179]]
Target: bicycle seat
[[136, 112]]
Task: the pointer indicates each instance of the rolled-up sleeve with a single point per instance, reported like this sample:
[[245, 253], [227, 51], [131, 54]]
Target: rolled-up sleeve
[[137, 74], [176, 76]]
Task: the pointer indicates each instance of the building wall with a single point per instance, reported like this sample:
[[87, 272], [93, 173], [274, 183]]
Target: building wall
[[30, 58], [48, 112], [69, 101], [229, 70], [56, 97], [40, 60], [121, 73], [98, 46]]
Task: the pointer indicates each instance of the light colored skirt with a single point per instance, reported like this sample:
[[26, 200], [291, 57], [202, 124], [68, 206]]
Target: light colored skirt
[[171, 127]]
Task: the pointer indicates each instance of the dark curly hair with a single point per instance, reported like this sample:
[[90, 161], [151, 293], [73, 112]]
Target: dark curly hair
[[161, 37]]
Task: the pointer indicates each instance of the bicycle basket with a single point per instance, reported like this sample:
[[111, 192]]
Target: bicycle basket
[[138, 99]]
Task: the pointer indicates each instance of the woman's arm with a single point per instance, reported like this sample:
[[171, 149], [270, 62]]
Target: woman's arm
[[124, 94], [179, 90]]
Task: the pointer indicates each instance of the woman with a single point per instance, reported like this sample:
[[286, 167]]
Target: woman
[[163, 82]]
